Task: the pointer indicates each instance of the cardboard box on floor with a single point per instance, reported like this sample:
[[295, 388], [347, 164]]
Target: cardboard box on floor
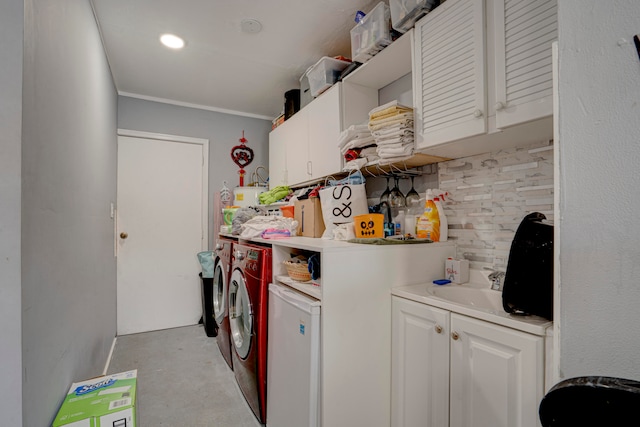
[[104, 401], [308, 213]]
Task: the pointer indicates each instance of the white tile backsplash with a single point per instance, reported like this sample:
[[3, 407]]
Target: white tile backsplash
[[490, 194]]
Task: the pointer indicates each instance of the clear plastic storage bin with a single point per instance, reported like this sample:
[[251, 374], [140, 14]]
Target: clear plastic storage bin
[[405, 13], [324, 74], [305, 90], [372, 34]]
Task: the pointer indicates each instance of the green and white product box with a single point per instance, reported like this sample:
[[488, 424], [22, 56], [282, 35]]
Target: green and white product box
[[107, 401]]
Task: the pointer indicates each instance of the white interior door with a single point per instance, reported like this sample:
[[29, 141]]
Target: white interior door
[[162, 225]]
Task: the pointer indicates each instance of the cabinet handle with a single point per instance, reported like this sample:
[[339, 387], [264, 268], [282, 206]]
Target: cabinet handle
[[309, 168], [438, 329], [477, 114], [455, 336], [500, 106]]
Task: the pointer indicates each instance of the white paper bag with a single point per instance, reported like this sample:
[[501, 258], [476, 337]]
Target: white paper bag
[[340, 204]]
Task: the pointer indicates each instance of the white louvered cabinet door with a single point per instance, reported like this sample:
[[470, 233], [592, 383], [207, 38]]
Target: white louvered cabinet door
[[523, 78], [449, 75]]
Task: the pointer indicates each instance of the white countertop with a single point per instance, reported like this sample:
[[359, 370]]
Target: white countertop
[[320, 245], [532, 324]]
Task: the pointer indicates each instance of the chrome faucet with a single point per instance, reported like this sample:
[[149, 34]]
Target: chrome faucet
[[496, 280]]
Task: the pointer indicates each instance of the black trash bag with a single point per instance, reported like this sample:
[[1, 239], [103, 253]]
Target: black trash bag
[[208, 316], [528, 283]]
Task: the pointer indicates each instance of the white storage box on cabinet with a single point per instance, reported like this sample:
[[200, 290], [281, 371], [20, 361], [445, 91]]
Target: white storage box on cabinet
[[405, 13], [324, 74], [483, 106], [372, 34]]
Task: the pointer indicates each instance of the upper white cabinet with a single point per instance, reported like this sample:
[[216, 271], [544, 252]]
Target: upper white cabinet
[[523, 76], [323, 128], [449, 83], [279, 139], [306, 145], [481, 67]]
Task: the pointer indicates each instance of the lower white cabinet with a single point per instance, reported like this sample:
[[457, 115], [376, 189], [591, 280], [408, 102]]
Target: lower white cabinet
[[454, 370]]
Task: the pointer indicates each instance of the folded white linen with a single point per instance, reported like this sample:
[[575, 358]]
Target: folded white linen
[[358, 143], [368, 151], [388, 160], [355, 164], [353, 132], [393, 130], [392, 118], [390, 141], [383, 108], [395, 151], [404, 122]]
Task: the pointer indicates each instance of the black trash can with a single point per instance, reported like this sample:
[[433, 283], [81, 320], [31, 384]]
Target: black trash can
[[208, 319]]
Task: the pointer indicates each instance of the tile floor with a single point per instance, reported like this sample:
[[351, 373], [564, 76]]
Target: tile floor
[[182, 380]]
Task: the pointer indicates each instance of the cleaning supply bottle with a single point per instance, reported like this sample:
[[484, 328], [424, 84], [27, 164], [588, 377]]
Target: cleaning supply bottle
[[399, 223], [444, 225], [428, 224]]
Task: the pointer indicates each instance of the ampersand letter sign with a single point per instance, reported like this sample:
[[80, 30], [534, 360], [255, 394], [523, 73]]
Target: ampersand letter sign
[[242, 156]]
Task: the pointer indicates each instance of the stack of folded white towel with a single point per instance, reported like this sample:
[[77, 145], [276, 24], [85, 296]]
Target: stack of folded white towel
[[391, 126], [358, 146]]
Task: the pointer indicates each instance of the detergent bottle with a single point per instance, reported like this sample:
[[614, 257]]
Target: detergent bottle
[[444, 225], [428, 224]]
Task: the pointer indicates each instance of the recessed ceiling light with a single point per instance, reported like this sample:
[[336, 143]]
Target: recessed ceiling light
[[250, 26], [172, 41]]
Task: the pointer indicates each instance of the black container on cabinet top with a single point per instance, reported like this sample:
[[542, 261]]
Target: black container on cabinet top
[[291, 103]]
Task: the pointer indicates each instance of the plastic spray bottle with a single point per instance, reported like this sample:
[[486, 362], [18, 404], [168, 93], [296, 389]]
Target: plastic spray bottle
[[428, 224], [444, 225]]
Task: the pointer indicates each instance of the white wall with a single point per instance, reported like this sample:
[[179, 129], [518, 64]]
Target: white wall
[[599, 150], [69, 180], [11, 26], [222, 130]]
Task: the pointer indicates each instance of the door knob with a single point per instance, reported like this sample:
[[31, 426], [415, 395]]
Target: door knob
[[438, 329], [455, 336], [123, 235]]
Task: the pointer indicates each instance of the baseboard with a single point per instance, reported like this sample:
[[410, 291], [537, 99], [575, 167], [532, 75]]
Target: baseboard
[[106, 366]]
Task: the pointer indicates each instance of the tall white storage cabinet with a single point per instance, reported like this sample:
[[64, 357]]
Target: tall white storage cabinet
[[354, 291]]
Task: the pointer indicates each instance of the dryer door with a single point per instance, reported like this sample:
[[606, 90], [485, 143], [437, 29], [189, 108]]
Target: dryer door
[[240, 314], [219, 291]]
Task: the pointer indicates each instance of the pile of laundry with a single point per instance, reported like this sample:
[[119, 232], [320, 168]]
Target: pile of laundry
[[358, 147], [391, 126]]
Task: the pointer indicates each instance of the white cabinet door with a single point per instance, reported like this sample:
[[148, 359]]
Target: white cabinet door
[[420, 365], [305, 147], [496, 375], [450, 85], [324, 130], [297, 147], [523, 75], [277, 157]]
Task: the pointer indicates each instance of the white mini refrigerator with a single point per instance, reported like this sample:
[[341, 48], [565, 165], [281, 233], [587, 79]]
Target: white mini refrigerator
[[293, 359]]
